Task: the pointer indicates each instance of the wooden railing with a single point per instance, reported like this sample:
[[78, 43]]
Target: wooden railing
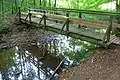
[[45, 13], [78, 11]]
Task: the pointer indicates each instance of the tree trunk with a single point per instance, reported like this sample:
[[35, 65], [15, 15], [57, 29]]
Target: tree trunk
[[34, 3], [44, 3], [49, 3], [15, 6], [55, 3], [40, 3], [2, 9]]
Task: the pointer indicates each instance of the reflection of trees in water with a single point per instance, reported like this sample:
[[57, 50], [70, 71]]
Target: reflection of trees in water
[[27, 66], [48, 42], [30, 66], [75, 49], [28, 58], [32, 62]]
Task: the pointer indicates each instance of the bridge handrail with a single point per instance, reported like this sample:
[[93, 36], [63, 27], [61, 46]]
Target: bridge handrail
[[79, 11], [80, 21]]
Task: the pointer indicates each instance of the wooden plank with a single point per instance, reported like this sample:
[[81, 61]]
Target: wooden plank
[[92, 23], [114, 39], [39, 16], [74, 20], [85, 22], [53, 16], [116, 25], [57, 68], [117, 40], [88, 23], [24, 13], [36, 13], [78, 11]]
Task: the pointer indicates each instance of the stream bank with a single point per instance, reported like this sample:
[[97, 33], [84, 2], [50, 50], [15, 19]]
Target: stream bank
[[104, 64]]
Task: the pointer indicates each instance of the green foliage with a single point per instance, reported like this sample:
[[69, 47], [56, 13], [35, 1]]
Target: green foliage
[[83, 52], [83, 4], [77, 50], [6, 58]]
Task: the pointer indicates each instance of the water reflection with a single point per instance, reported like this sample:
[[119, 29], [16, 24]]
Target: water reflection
[[74, 49], [29, 66], [38, 60]]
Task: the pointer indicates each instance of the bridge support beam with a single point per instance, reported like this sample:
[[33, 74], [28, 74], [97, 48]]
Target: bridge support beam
[[44, 17], [30, 17], [67, 23], [106, 38], [109, 29]]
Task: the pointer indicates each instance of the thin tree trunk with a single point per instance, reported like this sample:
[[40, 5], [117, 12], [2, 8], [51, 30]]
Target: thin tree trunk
[[44, 3], [15, 6], [2, 9], [55, 3], [26, 4], [118, 9], [116, 5], [34, 3], [40, 3], [49, 3]]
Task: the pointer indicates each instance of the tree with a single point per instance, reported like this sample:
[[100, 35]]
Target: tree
[[2, 5], [83, 4]]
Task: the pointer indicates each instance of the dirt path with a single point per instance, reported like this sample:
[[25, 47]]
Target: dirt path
[[102, 65]]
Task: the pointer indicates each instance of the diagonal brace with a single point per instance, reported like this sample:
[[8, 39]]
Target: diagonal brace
[[65, 24]]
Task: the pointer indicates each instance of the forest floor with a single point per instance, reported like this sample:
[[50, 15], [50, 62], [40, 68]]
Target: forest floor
[[19, 34], [104, 64]]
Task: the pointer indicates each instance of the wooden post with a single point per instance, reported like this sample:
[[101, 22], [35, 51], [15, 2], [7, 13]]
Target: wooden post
[[50, 46], [56, 14], [55, 71], [19, 13], [54, 42], [29, 16], [67, 24], [109, 28], [44, 20], [63, 26], [12, 9], [80, 16]]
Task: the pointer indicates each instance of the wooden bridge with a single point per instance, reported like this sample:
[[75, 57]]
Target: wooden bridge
[[60, 21]]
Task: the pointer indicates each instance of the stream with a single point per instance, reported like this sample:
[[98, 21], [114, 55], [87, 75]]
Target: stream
[[38, 60]]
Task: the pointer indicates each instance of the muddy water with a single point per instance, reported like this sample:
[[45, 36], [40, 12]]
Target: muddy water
[[37, 61]]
